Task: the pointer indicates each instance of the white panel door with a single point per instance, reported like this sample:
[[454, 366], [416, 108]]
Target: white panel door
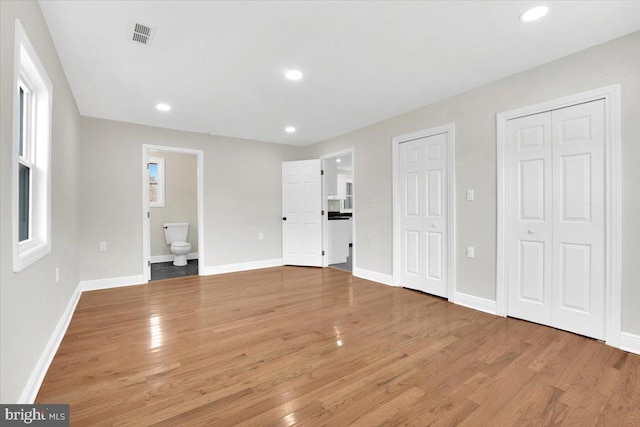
[[423, 214], [578, 219], [556, 196], [302, 213], [529, 208]]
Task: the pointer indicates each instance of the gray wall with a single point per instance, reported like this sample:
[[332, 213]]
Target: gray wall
[[31, 302], [474, 114], [180, 200], [242, 196]]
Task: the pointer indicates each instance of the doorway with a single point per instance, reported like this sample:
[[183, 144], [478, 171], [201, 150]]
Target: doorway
[[338, 200], [312, 192], [172, 200], [557, 214], [424, 207]]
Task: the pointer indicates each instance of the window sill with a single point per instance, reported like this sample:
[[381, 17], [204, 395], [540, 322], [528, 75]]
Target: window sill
[[29, 252]]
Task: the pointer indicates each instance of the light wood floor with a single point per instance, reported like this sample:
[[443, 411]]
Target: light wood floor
[[306, 346]]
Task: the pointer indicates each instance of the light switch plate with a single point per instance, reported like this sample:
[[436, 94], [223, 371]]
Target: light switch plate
[[471, 252], [471, 195]]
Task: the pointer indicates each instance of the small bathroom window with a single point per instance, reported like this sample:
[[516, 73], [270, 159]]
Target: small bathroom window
[[156, 182]]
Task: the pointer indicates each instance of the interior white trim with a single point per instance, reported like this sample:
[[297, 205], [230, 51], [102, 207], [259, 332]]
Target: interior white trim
[[113, 282], [477, 303], [166, 258], [611, 96], [630, 342], [31, 388], [146, 234], [374, 276], [450, 129], [325, 206], [242, 266]]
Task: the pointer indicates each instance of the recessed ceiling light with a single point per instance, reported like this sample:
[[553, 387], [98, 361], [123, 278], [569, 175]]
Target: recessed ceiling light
[[290, 129], [534, 13], [163, 107], [293, 74], [338, 160]]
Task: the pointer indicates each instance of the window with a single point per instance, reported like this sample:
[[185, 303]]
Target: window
[[31, 199], [25, 165], [347, 203], [156, 182]]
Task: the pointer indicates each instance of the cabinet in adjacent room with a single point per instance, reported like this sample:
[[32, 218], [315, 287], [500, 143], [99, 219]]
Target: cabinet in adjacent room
[[339, 240]]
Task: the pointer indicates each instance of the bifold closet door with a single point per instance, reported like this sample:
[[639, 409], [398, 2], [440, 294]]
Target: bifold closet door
[[423, 214], [529, 184], [556, 193], [579, 219]]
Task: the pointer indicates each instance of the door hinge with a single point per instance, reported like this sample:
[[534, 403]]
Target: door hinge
[[322, 253], [148, 164], [321, 172], [322, 213], [148, 263], [148, 215]]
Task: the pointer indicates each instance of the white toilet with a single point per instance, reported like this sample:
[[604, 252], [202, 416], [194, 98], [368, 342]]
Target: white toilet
[[176, 234]]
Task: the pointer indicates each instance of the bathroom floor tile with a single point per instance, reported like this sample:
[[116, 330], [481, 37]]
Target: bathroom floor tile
[[166, 270]]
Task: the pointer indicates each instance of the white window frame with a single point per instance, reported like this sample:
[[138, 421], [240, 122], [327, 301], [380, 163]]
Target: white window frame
[[30, 74], [160, 162]]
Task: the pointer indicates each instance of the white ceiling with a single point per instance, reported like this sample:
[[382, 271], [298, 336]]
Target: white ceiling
[[220, 65]]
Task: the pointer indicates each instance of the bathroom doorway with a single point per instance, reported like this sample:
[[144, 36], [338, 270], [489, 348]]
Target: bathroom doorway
[[173, 237], [338, 201]]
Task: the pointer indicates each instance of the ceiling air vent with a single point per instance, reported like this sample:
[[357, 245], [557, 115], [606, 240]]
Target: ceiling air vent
[[142, 34]]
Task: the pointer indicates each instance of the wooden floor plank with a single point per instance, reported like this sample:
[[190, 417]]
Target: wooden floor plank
[[310, 346]]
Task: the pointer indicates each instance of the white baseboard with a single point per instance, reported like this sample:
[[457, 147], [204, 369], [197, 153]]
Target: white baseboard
[[477, 303], [241, 266], [630, 342], [30, 391], [374, 276], [114, 282], [166, 258]]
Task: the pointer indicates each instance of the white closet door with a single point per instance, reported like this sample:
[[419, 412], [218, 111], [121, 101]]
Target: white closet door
[[530, 212], [412, 210], [556, 193], [578, 219], [423, 214]]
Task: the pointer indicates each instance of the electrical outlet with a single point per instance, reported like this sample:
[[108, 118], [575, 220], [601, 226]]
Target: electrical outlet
[[471, 252], [369, 240], [57, 274], [471, 195], [103, 246], [261, 236]]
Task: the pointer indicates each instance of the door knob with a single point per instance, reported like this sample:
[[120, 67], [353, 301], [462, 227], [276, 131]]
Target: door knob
[[531, 231], [284, 218]]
